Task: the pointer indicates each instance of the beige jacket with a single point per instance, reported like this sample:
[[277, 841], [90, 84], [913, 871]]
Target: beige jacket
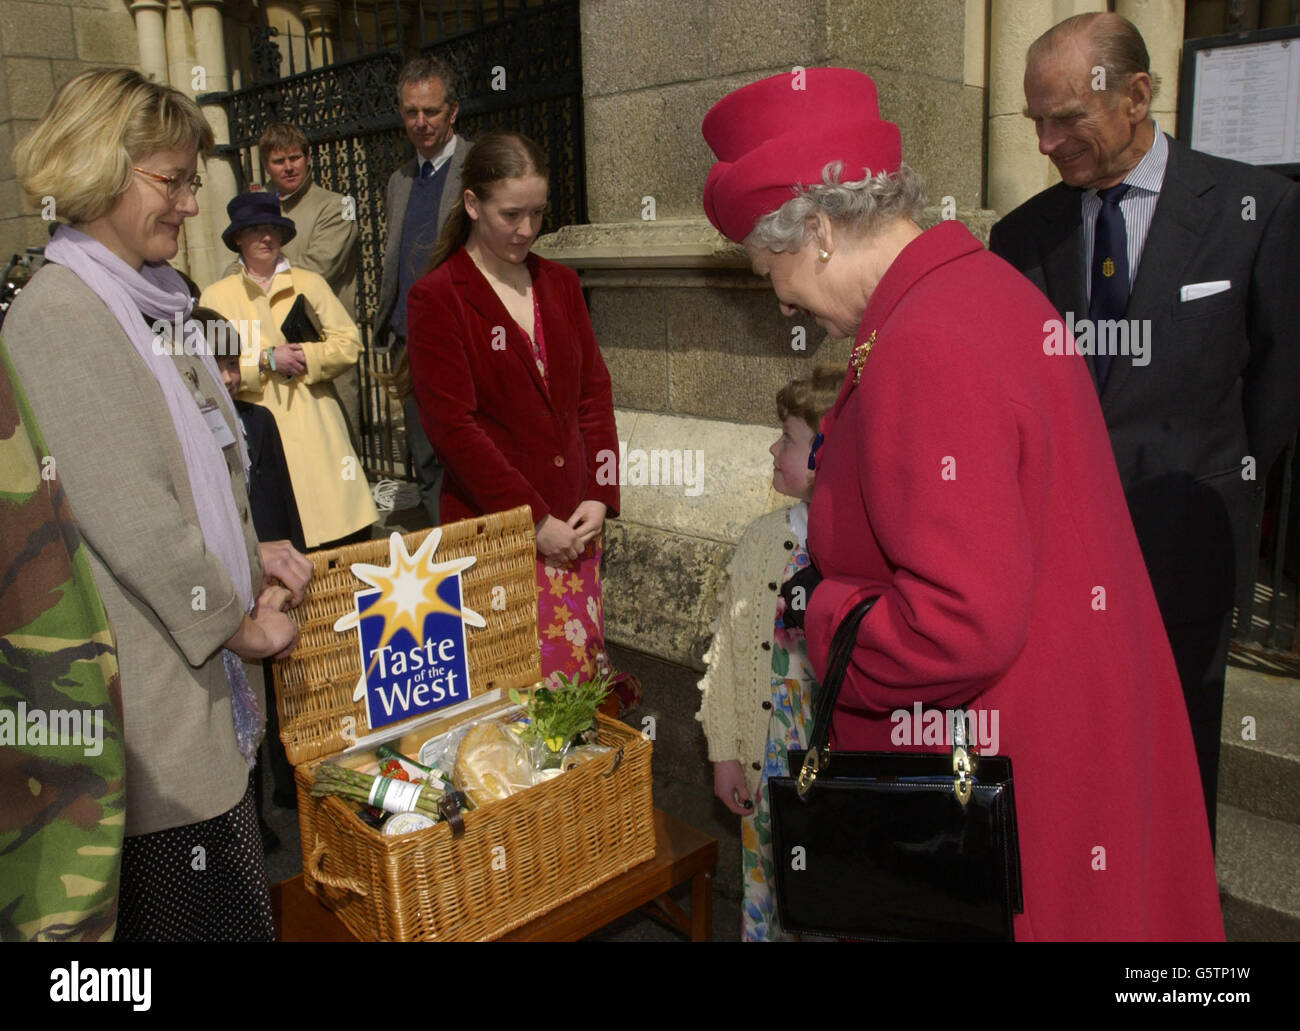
[[738, 682], [326, 241], [168, 598], [328, 480]]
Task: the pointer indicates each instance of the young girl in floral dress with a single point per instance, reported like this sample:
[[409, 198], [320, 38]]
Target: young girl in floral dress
[[759, 691]]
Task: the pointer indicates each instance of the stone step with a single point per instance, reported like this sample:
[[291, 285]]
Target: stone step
[[1260, 772], [1258, 866]]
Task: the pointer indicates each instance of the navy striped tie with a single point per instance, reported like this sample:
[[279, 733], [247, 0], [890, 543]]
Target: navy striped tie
[[1109, 298]]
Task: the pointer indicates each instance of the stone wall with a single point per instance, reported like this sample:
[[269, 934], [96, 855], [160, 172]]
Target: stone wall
[[42, 45], [651, 71]]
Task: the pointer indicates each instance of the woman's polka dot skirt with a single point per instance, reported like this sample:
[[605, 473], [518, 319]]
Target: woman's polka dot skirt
[[202, 882]]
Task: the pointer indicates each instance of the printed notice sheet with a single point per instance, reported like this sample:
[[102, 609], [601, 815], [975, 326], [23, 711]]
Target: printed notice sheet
[[1248, 102]]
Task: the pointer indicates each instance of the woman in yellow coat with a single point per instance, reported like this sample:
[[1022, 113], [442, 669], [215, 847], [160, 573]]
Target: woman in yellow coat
[[291, 379]]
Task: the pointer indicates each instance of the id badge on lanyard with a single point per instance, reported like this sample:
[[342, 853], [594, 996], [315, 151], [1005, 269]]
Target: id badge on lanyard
[[211, 412]]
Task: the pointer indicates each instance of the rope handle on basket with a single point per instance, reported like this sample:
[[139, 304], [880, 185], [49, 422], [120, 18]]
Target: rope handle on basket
[[315, 864]]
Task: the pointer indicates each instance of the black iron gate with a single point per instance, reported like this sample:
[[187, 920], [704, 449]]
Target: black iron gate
[[1266, 634], [520, 67]]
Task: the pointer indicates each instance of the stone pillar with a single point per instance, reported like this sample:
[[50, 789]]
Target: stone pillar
[[180, 75], [286, 16], [208, 256], [1161, 25], [388, 15], [180, 47], [975, 74], [320, 17], [149, 31], [1016, 171], [236, 25]]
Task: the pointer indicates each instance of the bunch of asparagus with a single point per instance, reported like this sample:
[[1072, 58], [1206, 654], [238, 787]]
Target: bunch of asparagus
[[332, 779]]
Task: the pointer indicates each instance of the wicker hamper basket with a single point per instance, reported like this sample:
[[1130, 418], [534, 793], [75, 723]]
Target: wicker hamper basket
[[517, 858]]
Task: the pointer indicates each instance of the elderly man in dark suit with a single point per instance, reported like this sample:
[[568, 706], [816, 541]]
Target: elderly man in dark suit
[[1177, 274], [421, 194]]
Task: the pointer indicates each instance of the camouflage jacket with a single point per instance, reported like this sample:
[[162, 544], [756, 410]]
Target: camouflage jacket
[[62, 760]]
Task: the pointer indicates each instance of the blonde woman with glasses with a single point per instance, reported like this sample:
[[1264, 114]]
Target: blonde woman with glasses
[[144, 444]]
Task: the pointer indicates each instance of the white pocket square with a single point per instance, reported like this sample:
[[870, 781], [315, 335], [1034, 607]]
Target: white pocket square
[[1195, 291]]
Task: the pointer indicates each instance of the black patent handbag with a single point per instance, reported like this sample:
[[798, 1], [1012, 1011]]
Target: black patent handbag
[[894, 846]]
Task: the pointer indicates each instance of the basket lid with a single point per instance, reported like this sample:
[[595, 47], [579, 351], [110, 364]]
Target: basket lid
[[315, 686]]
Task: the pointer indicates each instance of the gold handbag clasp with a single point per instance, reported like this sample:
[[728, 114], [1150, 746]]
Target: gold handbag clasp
[[812, 763], [962, 767]]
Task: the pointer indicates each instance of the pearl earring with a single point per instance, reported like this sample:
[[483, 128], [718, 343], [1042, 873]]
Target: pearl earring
[[823, 256]]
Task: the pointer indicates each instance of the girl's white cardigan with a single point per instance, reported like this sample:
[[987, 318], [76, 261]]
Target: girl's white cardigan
[[736, 706]]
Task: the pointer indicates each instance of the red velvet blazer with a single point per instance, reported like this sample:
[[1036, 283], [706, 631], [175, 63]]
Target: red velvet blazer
[[502, 436]]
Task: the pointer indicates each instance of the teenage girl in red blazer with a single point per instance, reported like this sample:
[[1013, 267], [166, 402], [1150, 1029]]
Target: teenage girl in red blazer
[[513, 392]]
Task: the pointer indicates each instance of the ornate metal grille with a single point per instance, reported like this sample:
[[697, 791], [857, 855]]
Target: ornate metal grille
[[521, 68]]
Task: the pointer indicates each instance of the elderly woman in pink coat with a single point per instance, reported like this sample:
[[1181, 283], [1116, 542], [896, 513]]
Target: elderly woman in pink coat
[[966, 478]]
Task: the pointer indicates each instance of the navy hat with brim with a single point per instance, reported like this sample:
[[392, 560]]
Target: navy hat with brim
[[255, 209]]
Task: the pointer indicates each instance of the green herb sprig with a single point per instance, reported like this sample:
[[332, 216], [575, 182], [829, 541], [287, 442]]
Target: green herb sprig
[[557, 717]]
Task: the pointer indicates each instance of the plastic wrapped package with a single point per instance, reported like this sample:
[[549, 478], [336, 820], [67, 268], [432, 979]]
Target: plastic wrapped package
[[491, 763]]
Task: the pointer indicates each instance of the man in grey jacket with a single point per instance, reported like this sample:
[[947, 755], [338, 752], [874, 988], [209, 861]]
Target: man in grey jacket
[[421, 195]]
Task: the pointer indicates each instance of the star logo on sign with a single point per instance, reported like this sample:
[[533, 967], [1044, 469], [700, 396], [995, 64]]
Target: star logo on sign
[[410, 590]]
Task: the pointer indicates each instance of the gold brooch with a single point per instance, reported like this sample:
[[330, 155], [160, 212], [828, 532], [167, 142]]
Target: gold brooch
[[859, 356]]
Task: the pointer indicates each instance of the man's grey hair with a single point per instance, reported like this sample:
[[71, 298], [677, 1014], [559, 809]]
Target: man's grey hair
[[861, 207], [1117, 46], [424, 67]]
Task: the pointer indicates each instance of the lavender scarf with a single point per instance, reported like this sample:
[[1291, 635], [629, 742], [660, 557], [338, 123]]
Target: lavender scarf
[[159, 293]]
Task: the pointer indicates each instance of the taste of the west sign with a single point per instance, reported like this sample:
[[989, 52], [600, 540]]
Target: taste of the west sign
[[411, 632]]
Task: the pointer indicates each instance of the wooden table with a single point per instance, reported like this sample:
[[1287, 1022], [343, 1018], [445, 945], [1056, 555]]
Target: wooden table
[[681, 853]]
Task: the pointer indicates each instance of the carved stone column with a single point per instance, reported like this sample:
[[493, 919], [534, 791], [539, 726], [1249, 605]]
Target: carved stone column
[[388, 25], [220, 183], [150, 37], [180, 51], [180, 64], [321, 18], [286, 15], [1161, 25]]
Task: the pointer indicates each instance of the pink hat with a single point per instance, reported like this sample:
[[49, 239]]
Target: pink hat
[[779, 133]]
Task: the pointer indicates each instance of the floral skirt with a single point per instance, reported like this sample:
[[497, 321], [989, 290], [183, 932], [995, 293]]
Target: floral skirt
[[790, 724], [570, 619], [571, 623]]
